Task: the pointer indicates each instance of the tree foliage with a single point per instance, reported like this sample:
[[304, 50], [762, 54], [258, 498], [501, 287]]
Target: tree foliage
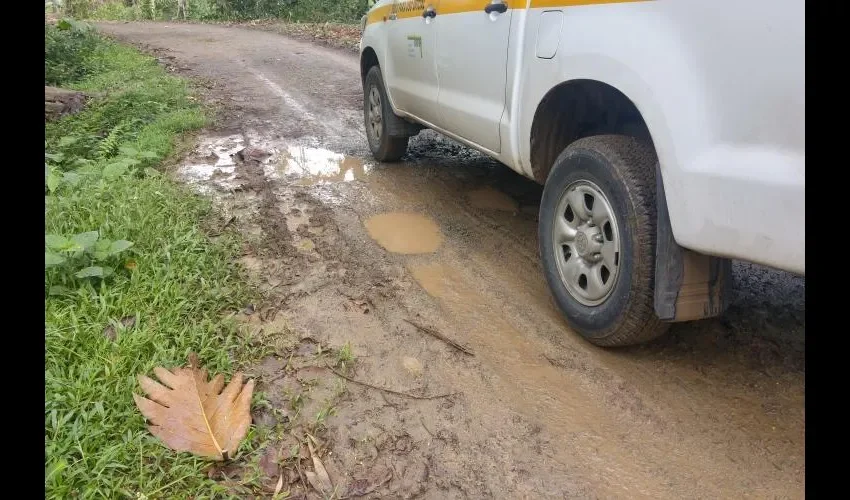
[[208, 10]]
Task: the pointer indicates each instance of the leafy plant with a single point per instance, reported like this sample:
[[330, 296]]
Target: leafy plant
[[56, 178], [68, 49], [108, 147], [344, 356], [83, 254]]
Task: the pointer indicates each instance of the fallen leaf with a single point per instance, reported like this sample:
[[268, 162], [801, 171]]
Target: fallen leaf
[[192, 414], [318, 479], [130, 265], [278, 487]]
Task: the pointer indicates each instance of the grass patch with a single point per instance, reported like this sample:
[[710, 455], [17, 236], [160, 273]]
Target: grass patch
[[173, 280]]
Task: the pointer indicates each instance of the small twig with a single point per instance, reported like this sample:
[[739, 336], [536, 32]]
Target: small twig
[[298, 468], [552, 361], [442, 337], [421, 421], [373, 488], [221, 230], [390, 391], [275, 378]]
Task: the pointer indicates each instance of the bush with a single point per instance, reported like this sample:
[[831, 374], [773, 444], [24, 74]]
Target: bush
[[302, 10], [118, 11], [68, 49]]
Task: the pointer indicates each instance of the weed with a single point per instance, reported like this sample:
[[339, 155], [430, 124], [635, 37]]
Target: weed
[[69, 48], [344, 356], [296, 401], [77, 255], [320, 423]]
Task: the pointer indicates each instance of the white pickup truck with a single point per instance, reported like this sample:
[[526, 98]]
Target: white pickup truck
[[669, 136]]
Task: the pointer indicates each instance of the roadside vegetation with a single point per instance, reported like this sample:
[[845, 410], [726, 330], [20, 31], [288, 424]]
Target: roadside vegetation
[[132, 280], [140, 273], [331, 22], [338, 11]]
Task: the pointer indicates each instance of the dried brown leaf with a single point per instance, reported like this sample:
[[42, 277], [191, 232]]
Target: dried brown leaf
[[278, 487], [320, 478], [189, 413]]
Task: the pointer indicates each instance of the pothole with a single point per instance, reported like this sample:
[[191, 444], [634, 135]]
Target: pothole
[[405, 233]]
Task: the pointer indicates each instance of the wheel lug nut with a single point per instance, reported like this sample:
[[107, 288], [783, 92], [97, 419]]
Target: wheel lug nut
[[597, 256], [597, 238]]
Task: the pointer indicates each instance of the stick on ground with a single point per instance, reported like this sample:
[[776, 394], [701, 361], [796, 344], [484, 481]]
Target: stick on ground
[[384, 389], [442, 337]]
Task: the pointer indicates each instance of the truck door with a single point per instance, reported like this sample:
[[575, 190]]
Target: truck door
[[412, 78], [472, 58]]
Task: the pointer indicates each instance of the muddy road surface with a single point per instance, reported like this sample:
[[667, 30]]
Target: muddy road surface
[[349, 252]]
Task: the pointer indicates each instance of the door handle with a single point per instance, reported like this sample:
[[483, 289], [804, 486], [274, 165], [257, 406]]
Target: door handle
[[429, 12], [499, 7]]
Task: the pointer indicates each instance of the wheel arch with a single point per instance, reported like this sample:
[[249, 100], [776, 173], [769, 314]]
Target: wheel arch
[[688, 285], [368, 58], [593, 108]]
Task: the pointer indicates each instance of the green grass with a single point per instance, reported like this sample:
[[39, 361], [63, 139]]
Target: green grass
[[96, 444]]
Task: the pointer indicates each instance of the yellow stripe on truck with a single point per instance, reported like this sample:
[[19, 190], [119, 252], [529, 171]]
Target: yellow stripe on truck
[[414, 8], [378, 14], [542, 4], [461, 6]]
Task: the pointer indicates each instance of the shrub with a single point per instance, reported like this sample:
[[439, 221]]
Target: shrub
[[68, 47]]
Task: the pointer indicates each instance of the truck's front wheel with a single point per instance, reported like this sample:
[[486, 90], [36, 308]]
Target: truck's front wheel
[[597, 239], [380, 119]]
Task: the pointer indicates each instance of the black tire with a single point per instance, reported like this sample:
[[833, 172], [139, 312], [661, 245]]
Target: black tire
[[386, 145], [623, 168]]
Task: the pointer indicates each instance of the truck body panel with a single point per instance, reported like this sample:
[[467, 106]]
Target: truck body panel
[[719, 85]]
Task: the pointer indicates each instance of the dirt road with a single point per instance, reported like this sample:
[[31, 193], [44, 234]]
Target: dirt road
[[348, 251]]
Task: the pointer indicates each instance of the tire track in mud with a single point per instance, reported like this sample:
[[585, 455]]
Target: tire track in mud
[[714, 410]]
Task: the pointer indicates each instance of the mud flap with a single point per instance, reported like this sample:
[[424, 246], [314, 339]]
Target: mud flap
[[688, 285]]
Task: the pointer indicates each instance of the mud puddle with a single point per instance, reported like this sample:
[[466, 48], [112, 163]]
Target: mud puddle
[[405, 233]]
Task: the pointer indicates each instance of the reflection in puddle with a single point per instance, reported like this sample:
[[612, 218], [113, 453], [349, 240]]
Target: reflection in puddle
[[213, 164], [218, 167], [489, 198], [203, 176], [405, 233], [319, 166]]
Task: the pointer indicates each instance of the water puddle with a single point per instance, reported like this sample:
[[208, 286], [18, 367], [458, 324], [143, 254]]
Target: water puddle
[[310, 166], [489, 198], [213, 164], [405, 233]]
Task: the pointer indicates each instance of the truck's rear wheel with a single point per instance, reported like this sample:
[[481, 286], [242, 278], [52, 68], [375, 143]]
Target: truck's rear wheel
[[597, 239], [380, 119]]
